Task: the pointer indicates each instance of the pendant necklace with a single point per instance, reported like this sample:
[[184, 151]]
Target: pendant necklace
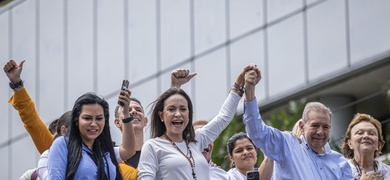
[[190, 159], [360, 171]]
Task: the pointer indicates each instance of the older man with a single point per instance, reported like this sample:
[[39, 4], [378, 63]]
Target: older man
[[311, 158]]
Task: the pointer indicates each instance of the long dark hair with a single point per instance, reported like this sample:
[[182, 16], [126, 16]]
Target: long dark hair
[[101, 145], [158, 127]]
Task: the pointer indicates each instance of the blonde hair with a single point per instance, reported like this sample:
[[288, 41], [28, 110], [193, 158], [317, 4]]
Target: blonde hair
[[296, 130]]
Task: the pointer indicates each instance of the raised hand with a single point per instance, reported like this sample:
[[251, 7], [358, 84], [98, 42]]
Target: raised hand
[[180, 77], [13, 70], [124, 97], [252, 78]]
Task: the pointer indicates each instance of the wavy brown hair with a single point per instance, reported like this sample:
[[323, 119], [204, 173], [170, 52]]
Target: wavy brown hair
[[348, 152]]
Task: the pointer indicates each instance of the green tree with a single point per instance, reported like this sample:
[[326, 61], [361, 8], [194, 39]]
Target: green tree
[[386, 150]]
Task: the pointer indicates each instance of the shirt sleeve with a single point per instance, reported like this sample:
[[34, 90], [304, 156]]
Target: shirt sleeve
[[128, 172], [27, 175], [58, 159], [148, 164], [211, 131], [37, 129], [117, 155], [42, 165], [271, 141]]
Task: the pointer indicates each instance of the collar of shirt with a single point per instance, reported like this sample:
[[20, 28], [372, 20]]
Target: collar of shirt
[[326, 147]]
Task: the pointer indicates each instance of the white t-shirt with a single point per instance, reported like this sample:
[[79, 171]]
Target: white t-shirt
[[160, 160], [235, 174], [216, 173]]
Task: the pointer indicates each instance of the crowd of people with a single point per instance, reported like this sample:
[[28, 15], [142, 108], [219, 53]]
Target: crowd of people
[[78, 145]]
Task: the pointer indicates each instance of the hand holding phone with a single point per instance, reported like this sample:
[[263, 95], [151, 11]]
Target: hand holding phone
[[125, 85], [253, 175]]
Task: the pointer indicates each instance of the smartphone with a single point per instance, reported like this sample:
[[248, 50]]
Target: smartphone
[[253, 175], [125, 85]]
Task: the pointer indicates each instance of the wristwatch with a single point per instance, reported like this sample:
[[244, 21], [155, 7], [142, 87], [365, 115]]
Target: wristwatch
[[16, 85], [127, 120]]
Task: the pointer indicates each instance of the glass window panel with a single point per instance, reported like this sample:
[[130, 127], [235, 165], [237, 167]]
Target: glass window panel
[[142, 39], [279, 8], [369, 28], [308, 2], [246, 51], [7, 160], [23, 151], [209, 25], [80, 49], [175, 32], [6, 91], [326, 38], [245, 17], [51, 59], [110, 41], [4, 35], [286, 55], [23, 47], [211, 86]]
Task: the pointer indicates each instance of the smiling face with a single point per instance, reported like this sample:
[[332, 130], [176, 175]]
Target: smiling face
[[136, 110], [316, 130], [364, 138], [244, 155], [175, 116], [91, 123]]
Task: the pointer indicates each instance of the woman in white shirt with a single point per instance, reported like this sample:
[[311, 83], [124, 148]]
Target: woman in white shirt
[[242, 154], [175, 150]]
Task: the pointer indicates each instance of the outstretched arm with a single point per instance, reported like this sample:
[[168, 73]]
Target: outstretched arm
[[127, 149], [22, 102]]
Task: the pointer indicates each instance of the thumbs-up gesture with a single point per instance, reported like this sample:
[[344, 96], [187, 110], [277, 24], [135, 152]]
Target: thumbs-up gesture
[[13, 70], [180, 77]]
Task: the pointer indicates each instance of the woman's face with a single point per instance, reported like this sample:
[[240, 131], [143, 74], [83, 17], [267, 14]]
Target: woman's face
[[91, 123], [244, 155], [364, 138], [175, 115]]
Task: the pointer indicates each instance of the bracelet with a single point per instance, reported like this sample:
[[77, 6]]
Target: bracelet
[[127, 120], [16, 85], [239, 88]]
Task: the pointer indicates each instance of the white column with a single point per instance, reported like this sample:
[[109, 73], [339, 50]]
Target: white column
[[342, 115]]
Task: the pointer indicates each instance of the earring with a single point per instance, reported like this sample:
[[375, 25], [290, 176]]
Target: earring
[[233, 164], [162, 120]]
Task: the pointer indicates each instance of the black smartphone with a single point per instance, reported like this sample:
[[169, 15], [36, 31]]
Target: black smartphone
[[253, 175], [125, 85]]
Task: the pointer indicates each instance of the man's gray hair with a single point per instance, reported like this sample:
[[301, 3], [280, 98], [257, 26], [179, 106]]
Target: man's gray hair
[[315, 106]]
